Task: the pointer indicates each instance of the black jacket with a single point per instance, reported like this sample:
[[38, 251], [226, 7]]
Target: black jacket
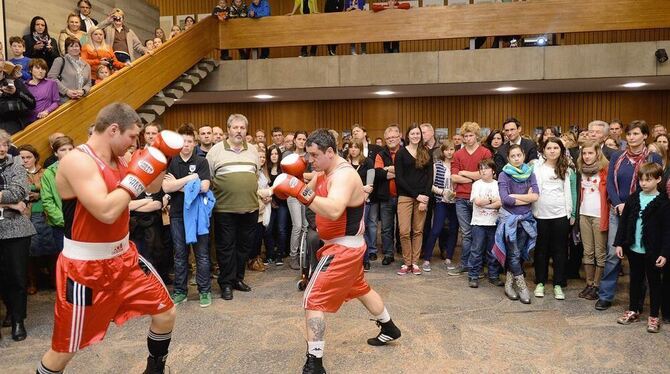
[[83, 24], [47, 55], [381, 191], [14, 108], [529, 149], [655, 225]]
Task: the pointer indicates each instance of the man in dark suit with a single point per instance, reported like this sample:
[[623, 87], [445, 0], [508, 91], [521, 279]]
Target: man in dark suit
[[512, 130], [87, 23]]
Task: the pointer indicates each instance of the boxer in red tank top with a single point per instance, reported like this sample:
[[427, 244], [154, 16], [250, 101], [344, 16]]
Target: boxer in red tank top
[[99, 275], [336, 196]]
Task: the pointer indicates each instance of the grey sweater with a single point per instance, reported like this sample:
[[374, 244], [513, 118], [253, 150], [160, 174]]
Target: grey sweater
[[14, 184], [72, 77]]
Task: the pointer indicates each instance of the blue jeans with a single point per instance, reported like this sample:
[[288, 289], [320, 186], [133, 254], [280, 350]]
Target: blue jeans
[[483, 238], [514, 262], [464, 214], [442, 213], [612, 262], [201, 251], [371, 218], [276, 233], [387, 213]]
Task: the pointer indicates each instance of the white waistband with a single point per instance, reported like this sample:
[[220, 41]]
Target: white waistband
[[75, 250], [347, 241]]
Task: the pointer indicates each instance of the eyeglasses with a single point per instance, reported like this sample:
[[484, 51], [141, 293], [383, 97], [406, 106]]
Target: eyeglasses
[[392, 137]]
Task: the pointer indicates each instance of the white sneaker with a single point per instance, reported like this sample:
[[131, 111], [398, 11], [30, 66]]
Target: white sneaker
[[426, 266]]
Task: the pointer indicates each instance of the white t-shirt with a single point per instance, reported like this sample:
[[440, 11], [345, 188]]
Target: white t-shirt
[[590, 196], [484, 216], [551, 203]]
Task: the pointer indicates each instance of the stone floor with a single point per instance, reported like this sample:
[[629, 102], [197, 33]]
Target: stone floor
[[447, 327]]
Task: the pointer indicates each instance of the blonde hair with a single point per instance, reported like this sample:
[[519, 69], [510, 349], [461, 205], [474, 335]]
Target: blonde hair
[[472, 127], [600, 157]]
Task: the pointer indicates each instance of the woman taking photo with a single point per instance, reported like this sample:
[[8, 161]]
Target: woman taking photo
[[73, 30], [39, 44], [361, 164], [42, 253], [554, 212], [15, 233], [96, 52], [517, 229], [295, 209], [71, 72], [45, 91], [414, 179]]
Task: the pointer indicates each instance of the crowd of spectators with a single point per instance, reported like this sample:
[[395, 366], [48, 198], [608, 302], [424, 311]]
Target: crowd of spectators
[[565, 200], [45, 70]]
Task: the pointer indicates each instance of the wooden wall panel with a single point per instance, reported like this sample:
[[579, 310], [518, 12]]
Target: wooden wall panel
[[451, 111], [282, 7]]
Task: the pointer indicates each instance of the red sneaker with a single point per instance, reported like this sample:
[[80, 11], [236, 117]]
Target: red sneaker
[[404, 270], [416, 270]]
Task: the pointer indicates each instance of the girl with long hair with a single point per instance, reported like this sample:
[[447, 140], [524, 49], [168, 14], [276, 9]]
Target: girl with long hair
[[361, 164], [593, 214], [39, 44], [96, 53], [414, 179], [554, 212], [295, 208], [275, 233]]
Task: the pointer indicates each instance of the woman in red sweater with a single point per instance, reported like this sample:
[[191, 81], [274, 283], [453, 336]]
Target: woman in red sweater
[[97, 53]]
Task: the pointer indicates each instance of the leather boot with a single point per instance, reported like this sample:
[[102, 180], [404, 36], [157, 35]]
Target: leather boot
[[509, 287], [18, 331], [589, 269], [522, 289]]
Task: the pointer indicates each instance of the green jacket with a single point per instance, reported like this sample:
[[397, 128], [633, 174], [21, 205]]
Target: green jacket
[[51, 201]]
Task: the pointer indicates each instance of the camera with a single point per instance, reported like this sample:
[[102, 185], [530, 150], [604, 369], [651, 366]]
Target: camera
[[6, 83], [116, 18]]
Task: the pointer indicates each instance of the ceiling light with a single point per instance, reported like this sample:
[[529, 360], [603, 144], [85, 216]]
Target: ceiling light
[[506, 89], [384, 93], [634, 84], [264, 96]]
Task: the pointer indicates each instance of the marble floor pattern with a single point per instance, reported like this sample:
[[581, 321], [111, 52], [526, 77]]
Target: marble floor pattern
[[447, 328]]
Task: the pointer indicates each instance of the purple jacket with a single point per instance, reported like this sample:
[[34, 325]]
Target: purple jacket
[[508, 186], [46, 97]]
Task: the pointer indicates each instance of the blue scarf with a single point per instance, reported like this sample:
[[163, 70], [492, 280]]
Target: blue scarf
[[520, 174]]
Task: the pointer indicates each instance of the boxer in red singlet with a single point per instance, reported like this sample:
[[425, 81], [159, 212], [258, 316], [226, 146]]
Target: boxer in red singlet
[[100, 276], [336, 196]]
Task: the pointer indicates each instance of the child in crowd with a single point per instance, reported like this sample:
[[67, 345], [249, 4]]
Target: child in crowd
[[158, 42], [149, 44], [593, 214], [103, 72], [517, 231], [644, 236], [485, 199], [445, 208], [554, 212], [18, 47]]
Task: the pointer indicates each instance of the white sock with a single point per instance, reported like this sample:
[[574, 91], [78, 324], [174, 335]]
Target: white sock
[[384, 316], [316, 348]]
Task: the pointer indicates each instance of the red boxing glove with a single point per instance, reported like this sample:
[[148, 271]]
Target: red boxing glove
[[286, 185], [146, 165], [168, 142], [294, 164]]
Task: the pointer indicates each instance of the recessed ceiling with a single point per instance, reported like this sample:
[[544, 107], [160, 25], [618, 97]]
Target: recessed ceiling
[[423, 90]]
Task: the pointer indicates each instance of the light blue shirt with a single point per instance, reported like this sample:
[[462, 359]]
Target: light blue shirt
[[645, 199]]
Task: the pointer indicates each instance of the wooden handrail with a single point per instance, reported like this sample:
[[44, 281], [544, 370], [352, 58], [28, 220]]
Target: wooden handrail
[[516, 18], [133, 85]]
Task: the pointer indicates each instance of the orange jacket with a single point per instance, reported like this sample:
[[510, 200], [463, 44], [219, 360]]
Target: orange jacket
[[93, 56]]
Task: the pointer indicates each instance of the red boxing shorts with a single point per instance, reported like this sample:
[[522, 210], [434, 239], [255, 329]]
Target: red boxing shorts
[[338, 277], [97, 283]]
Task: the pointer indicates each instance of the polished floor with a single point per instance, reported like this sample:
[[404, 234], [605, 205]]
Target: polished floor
[[447, 327]]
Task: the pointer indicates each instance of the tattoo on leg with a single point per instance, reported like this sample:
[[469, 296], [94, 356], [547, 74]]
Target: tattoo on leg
[[317, 326]]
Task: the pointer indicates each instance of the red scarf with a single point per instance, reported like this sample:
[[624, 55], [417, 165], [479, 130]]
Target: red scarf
[[636, 159]]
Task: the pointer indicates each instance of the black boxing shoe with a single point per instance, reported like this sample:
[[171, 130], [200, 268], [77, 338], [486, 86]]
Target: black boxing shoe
[[241, 286], [313, 365], [156, 365], [389, 332], [18, 331]]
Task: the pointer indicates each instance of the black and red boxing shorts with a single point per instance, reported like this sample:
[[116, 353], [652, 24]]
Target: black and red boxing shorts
[[97, 283], [338, 276]]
